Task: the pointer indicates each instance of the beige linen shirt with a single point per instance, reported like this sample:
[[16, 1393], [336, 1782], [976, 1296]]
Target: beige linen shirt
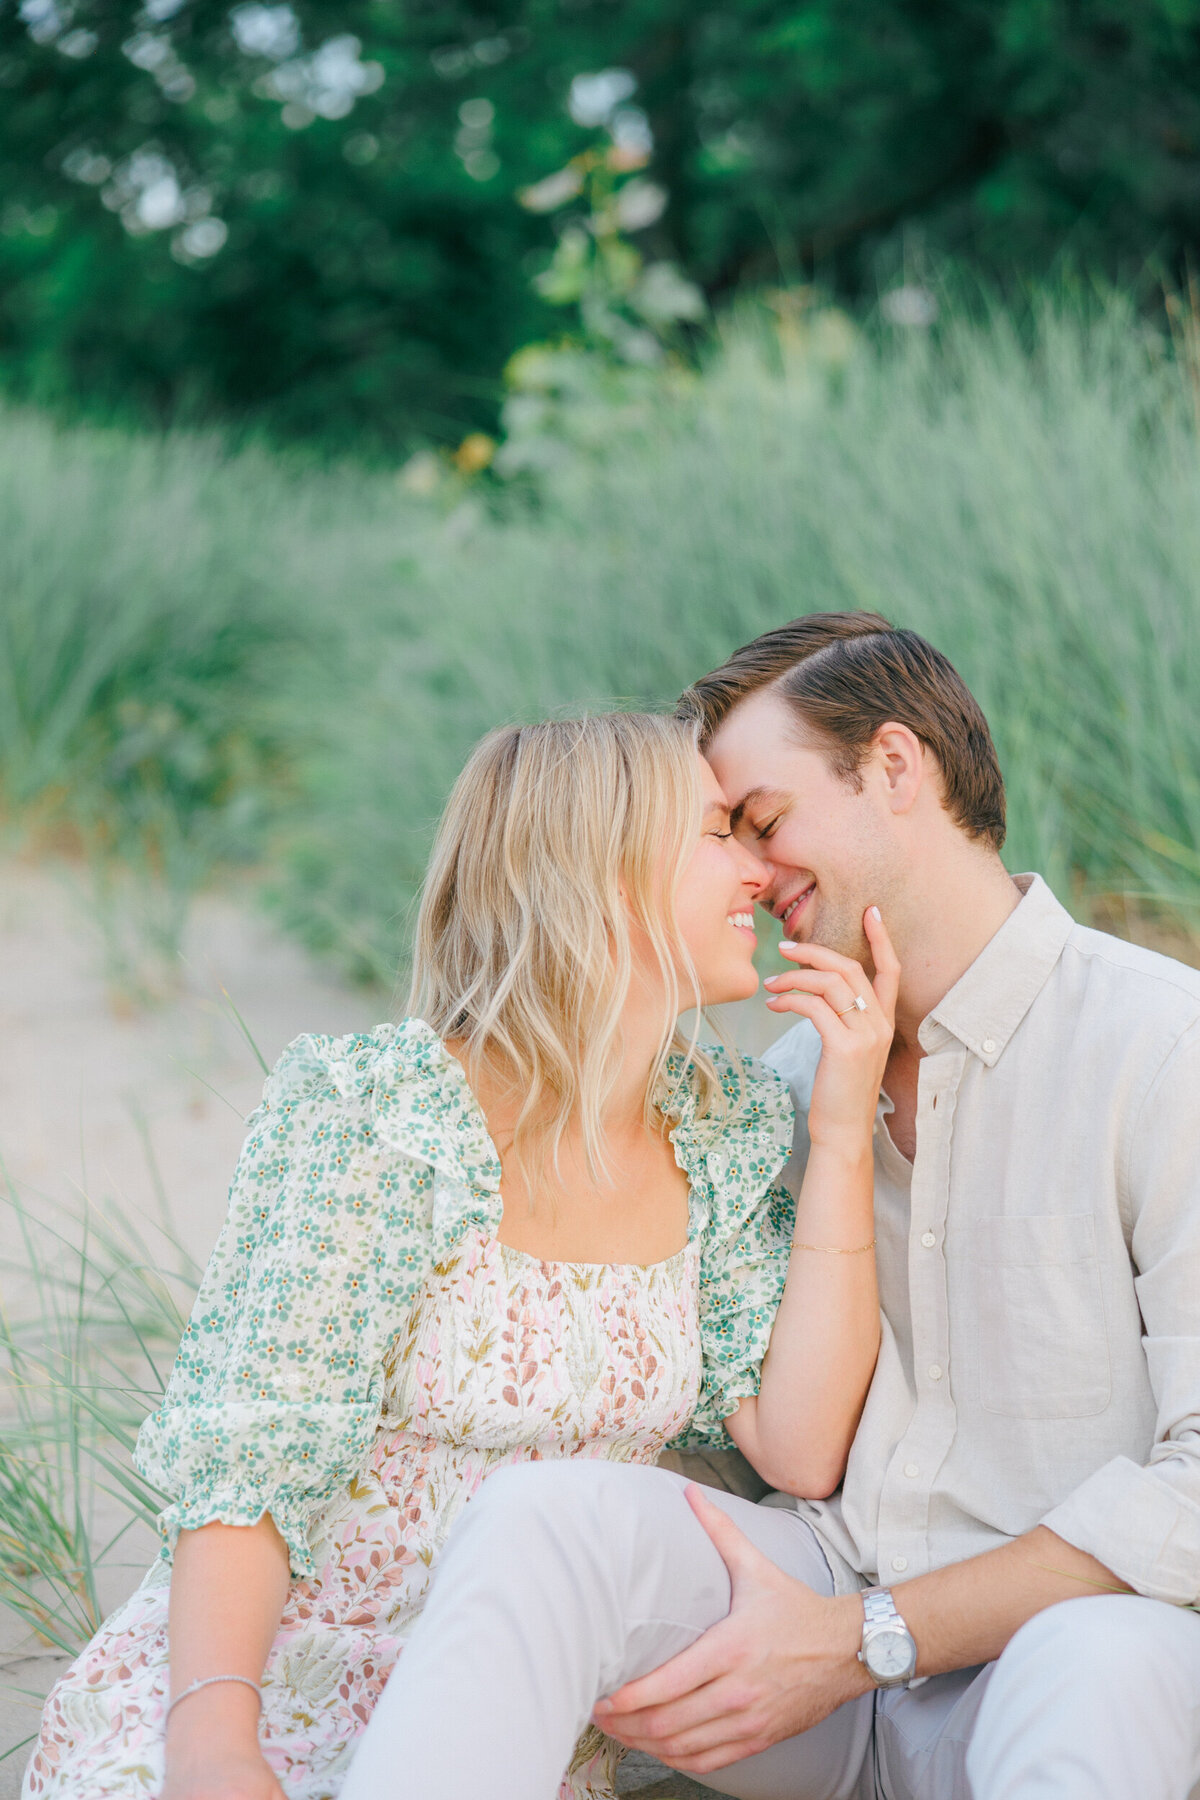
[[1039, 1268]]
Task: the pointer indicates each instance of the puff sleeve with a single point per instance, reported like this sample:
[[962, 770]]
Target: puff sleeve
[[746, 1235], [277, 1387]]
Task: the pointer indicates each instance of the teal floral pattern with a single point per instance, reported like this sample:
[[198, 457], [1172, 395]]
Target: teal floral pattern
[[363, 1353], [367, 1162]]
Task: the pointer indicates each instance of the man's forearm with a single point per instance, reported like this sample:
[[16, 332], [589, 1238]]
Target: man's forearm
[[966, 1613]]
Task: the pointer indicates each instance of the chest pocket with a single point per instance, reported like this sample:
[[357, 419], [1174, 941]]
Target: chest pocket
[[1042, 1350]]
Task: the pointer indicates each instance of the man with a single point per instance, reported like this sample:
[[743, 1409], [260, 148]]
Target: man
[[996, 1602]]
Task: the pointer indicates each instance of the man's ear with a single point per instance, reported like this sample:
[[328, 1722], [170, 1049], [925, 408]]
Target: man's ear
[[902, 762]]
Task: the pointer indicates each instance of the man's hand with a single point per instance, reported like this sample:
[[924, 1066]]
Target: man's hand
[[783, 1660]]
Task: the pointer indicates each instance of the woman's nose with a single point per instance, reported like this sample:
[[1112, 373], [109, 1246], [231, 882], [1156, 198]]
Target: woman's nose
[[755, 873]]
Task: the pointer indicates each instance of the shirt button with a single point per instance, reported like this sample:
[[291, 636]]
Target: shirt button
[[911, 1470], [935, 1371], [928, 1239], [899, 1563], [989, 1044]]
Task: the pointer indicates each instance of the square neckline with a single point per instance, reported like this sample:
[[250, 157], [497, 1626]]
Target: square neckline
[[473, 1105]]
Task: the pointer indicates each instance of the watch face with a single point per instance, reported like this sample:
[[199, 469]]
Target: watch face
[[889, 1655]]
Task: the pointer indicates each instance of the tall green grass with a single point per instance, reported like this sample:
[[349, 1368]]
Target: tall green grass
[[208, 652], [1028, 499], [88, 1329]]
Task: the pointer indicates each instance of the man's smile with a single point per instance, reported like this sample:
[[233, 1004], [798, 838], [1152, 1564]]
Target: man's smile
[[789, 909]]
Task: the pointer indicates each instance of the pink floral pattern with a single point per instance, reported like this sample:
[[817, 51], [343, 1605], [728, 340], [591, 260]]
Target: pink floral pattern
[[363, 1352], [503, 1359]]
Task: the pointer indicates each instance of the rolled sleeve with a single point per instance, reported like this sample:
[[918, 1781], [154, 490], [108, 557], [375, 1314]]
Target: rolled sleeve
[[1143, 1522]]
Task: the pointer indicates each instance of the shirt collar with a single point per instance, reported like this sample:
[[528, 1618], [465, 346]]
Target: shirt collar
[[988, 1002]]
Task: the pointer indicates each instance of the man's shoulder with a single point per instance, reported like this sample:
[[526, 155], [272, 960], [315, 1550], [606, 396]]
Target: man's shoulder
[[1138, 976], [794, 1057]]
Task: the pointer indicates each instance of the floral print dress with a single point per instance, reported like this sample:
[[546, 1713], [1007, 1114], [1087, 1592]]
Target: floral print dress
[[363, 1353]]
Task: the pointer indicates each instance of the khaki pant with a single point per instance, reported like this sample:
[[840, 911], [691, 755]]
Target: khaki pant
[[564, 1580]]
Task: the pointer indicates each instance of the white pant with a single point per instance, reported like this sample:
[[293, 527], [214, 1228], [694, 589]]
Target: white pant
[[563, 1580]]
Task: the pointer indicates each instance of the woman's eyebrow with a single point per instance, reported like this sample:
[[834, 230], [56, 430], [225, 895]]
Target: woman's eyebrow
[[717, 809], [772, 797]]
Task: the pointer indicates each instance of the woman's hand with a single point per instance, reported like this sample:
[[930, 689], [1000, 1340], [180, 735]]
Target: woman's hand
[[823, 986], [213, 1752], [219, 1773]]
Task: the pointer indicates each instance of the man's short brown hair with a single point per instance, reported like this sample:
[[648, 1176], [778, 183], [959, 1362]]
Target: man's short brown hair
[[846, 674]]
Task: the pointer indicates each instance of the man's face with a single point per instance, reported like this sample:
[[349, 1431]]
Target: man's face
[[827, 848]]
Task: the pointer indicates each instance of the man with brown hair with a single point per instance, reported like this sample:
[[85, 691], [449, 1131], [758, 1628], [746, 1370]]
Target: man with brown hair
[[996, 1602]]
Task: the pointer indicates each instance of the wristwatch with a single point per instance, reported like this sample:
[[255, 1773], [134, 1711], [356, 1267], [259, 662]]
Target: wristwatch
[[889, 1651]]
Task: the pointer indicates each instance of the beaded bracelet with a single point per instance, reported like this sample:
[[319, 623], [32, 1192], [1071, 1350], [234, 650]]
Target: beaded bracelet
[[209, 1681]]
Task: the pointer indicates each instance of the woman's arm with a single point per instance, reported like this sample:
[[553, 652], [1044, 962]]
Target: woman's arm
[[825, 1339], [228, 1586]]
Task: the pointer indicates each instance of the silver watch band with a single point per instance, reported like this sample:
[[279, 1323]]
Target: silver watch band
[[880, 1615], [879, 1608]]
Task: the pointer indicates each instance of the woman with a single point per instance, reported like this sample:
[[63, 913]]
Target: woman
[[530, 1221]]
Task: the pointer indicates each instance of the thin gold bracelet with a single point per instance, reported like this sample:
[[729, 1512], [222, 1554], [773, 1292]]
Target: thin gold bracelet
[[835, 1249]]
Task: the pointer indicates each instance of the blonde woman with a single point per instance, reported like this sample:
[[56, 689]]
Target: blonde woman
[[531, 1221]]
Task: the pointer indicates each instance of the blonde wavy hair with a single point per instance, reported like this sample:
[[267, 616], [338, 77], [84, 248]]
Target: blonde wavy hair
[[555, 839]]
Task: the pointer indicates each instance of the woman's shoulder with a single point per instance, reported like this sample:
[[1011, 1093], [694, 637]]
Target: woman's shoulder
[[316, 1064], [410, 1092], [740, 1136]]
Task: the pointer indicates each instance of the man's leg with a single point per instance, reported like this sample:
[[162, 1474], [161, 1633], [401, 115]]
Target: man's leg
[[560, 1582], [1094, 1699]]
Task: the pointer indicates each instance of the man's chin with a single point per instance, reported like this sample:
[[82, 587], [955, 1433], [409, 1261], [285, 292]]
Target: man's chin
[[841, 936]]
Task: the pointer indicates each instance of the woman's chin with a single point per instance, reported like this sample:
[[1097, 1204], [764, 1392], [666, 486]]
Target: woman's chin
[[731, 989]]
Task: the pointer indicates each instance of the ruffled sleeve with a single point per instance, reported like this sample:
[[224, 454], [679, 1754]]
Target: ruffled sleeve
[[362, 1160], [744, 1219]]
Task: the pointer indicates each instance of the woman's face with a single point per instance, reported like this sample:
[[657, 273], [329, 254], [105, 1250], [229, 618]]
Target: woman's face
[[715, 902]]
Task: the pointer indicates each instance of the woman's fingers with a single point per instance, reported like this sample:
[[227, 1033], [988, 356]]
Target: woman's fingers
[[887, 963], [810, 960], [830, 985], [813, 1006]]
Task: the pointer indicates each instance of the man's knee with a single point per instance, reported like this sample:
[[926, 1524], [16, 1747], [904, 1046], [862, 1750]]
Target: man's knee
[[1111, 1636], [1087, 1692], [576, 1487], [580, 1508]]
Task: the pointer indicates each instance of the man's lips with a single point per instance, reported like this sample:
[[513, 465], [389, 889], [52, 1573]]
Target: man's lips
[[793, 906]]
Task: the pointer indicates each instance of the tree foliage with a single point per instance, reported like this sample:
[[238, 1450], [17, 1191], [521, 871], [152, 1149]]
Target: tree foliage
[[306, 212]]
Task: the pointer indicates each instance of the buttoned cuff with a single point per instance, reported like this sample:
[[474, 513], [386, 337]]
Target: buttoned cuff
[[1138, 1524]]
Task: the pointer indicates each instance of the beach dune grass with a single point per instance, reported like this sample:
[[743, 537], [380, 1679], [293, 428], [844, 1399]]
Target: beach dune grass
[[91, 1320], [213, 652], [1027, 495]]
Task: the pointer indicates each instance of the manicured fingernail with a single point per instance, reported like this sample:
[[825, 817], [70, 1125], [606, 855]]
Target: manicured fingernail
[[874, 912]]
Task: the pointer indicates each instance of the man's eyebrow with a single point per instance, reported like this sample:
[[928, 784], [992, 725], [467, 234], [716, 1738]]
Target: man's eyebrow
[[774, 797]]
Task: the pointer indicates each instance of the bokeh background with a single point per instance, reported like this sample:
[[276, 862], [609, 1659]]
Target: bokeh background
[[373, 373]]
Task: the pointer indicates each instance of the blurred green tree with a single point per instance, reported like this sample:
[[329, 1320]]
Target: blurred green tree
[[305, 212]]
